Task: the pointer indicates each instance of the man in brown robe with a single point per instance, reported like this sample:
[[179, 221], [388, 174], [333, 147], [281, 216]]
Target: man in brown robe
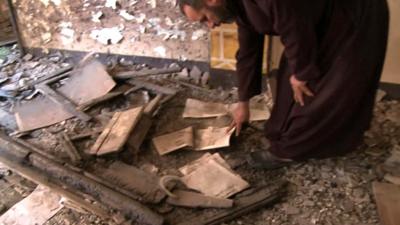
[[328, 74]]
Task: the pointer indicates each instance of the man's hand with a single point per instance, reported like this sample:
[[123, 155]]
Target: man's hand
[[299, 88], [240, 115]]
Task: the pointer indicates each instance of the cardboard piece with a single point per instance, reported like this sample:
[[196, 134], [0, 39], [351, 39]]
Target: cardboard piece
[[212, 178], [195, 200], [36, 209], [174, 141], [39, 112], [212, 138], [387, 198], [117, 131], [84, 85], [65, 103], [199, 109], [88, 83]]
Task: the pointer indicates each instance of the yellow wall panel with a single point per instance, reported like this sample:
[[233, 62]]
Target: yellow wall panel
[[231, 45]]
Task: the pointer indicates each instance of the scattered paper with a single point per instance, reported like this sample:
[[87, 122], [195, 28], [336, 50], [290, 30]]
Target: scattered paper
[[107, 35], [153, 3], [36, 209], [97, 16], [213, 178], [212, 138], [124, 14], [161, 51], [46, 37], [140, 18], [47, 2], [67, 35], [174, 141], [259, 110], [199, 109], [187, 169], [111, 4], [198, 34]]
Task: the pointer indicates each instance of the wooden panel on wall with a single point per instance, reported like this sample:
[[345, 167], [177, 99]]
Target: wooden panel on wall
[[391, 71], [224, 45]]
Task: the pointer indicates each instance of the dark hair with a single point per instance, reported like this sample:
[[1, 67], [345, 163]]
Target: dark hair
[[196, 4]]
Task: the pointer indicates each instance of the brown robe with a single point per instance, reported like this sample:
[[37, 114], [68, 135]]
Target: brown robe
[[338, 47]]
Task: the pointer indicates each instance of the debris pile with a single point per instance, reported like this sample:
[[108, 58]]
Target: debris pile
[[135, 170], [87, 148]]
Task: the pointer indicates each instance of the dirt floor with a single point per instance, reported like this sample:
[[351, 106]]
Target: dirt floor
[[328, 192]]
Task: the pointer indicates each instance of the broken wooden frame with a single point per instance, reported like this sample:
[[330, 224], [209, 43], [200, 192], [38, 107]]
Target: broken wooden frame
[[142, 128]]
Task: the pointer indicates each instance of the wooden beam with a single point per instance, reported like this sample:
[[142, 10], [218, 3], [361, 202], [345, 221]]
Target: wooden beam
[[33, 175], [99, 100], [264, 197], [69, 147], [152, 87], [76, 180], [145, 73]]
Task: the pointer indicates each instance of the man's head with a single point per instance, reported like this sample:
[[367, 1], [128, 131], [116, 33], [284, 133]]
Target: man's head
[[210, 12]]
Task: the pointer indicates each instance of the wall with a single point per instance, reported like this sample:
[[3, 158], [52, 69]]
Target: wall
[[6, 31], [69, 25], [391, 71]]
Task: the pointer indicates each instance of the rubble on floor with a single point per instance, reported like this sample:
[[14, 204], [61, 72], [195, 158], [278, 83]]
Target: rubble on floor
[[329, 191], [75, 133], [37, 208]]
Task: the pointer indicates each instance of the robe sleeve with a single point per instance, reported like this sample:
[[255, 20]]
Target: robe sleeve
[[296, 28], [249, 62]]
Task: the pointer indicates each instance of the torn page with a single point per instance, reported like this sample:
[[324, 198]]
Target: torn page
[[259, 108], [174, 141], [212, 138], [213, 179], [258, 111], [185, 170], [199, 109]]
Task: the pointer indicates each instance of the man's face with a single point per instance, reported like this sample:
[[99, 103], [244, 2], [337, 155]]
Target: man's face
[[213, 13]]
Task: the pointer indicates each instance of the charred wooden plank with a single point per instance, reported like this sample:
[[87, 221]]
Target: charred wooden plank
[[99, 100], [152, 87], [75, 180], [69, 148], [142, 128], [261, 198]]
